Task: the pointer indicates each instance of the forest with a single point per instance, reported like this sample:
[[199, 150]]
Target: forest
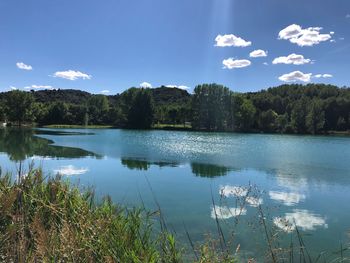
[[299, 109]]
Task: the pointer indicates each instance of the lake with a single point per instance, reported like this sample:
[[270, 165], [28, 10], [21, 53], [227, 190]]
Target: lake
[[201, 178]]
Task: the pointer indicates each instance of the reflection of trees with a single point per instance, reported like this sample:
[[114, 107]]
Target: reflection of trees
[[134, 164], [143, 165], [20, 144], [208, 170]]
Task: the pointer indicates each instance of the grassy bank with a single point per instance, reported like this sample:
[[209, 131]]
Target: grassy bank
[[49, 220]]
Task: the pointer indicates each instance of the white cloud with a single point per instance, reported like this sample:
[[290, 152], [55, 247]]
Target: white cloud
[[302, 219], [291, 59], [265, 63], [224, 212], [13, 88], [105, 91], [231, 63], [296, 76], [71, 170], [236, 191], [145, 85], [347, 16], [21, 65], [183, 87], [288, 199], [258, 53], [231, 40], [71, 75], [304, 37], [323, 76]]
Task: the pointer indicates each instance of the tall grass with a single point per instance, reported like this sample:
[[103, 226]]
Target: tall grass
[[49, 220]]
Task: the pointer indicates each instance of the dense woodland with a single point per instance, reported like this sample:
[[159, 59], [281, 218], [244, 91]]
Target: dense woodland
[[312, 108]]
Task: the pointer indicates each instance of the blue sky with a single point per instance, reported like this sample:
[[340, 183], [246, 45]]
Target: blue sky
[[112, 45]]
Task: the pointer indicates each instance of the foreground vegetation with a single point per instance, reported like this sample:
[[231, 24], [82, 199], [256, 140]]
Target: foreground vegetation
[[49, 220], [300, 109]]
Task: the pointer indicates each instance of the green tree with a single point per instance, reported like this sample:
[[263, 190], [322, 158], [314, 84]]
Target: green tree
[[315, 118], [141, 112], [298, 116], [267, 120], [98, 107], [19, 106]]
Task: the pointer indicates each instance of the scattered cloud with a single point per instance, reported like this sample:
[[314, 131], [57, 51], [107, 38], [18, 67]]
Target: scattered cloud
[[13, 88], [303, 219], [265, 63], [71, 170], [105, 91], [231, 41], [323, 76], [37, 87], [347, 16], [258, 53], [304, 37], [296, 76], [71, 75], [224, 212], [21, 65], [291, 59], [288, 199], [145, 85], [232, 63]]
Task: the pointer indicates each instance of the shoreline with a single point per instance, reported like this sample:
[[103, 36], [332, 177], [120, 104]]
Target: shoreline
[[181, 128]]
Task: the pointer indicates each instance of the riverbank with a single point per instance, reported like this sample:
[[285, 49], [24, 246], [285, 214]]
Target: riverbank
[[187, 127]]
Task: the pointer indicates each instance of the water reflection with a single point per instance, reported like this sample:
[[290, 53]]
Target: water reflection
[[209, 170], [302, 219], [20, 144], [143, 165], [288, 199], [224, 212], [198, 169], [70, 170]]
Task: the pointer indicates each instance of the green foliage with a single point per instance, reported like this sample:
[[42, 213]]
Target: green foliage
[[19, 106], [48, 220], [141, 111], [312, 108]]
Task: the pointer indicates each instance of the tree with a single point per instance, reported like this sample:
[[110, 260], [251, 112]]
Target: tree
[[267, 120], [98, 109], [210, 105], [315, 119], [19, 106], [141, 112], [298, 116], [243, 113]]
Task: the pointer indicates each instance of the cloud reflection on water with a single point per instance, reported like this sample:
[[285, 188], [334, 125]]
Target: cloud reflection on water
[[224, 212], [288, 199], [69, 170], [302, 219]]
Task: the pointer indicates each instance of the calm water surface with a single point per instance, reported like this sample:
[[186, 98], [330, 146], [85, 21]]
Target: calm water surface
[[301, 179]]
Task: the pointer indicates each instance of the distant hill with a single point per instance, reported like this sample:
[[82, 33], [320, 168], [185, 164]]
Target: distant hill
[[162, 95]]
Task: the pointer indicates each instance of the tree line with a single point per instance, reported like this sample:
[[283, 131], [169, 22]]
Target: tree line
[[312, 108]]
